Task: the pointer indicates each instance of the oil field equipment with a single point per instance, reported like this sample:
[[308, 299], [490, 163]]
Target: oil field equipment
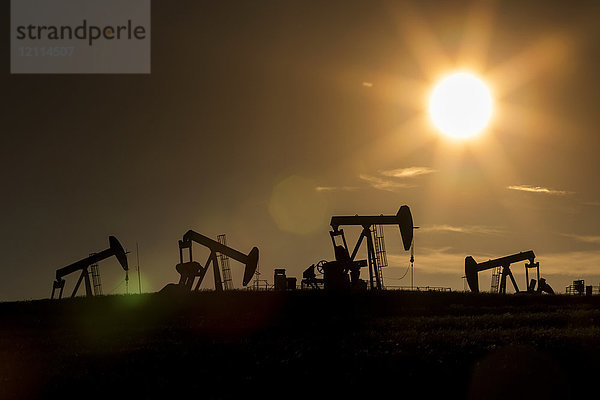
[[502, 270], [344, 272], [579, 288], [87, 264], [282, 282], [310, 280], [190, 270]]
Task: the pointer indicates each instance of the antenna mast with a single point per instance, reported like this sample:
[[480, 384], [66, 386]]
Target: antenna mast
[[137, 254]]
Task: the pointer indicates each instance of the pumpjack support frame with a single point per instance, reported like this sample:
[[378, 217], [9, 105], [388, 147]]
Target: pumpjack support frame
[[115, 249]]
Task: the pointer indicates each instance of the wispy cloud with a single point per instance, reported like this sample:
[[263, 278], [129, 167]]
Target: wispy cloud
[[584, 238], [383, 184], [335, 188], [537, 189], [577, 263], [409, 172], [367, 84], [475, 229], [591, 203], [389, 180]]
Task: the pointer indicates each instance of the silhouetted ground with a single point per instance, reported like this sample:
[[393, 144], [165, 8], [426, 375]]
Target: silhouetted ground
[[303, 344]]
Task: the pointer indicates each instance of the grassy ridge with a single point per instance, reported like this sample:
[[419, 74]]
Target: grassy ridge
[[300, 344]]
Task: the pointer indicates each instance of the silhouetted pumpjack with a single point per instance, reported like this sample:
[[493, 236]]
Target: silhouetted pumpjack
[[335, 273], [115, 249], [472, 268], [191, 269]]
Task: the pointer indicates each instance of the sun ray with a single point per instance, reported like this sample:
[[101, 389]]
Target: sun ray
[[477, 35], [400, 91], [404, 142], [548, 53], [482, 167], [421, 41], [471, 174], [519, 120], [387, 87]]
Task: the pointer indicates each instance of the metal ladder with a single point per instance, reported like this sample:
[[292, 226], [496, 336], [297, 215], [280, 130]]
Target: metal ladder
[[96, 279], [379, 247], [224, 261], [496, 272]]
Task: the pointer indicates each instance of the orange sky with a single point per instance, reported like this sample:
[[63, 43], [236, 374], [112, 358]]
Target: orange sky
[[262, 120]]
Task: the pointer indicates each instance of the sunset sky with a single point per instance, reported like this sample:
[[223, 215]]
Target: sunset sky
[[263, 119]]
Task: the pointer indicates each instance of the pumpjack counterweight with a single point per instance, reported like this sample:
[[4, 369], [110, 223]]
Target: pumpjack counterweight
[[83, 265]]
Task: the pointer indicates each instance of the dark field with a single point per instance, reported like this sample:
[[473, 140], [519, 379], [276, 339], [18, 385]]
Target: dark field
[[302, 344]]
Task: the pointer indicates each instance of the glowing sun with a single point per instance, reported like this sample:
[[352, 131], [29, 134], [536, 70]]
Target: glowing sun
[[461, 105]]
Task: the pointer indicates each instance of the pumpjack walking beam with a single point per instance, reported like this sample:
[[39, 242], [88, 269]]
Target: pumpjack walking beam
[[192, 269], [403, 219], [115, 249]]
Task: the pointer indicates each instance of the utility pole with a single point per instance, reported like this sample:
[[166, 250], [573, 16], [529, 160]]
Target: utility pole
[[137, 253]]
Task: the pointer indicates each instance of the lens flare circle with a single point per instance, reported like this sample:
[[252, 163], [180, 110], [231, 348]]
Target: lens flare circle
[[461, 105]]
